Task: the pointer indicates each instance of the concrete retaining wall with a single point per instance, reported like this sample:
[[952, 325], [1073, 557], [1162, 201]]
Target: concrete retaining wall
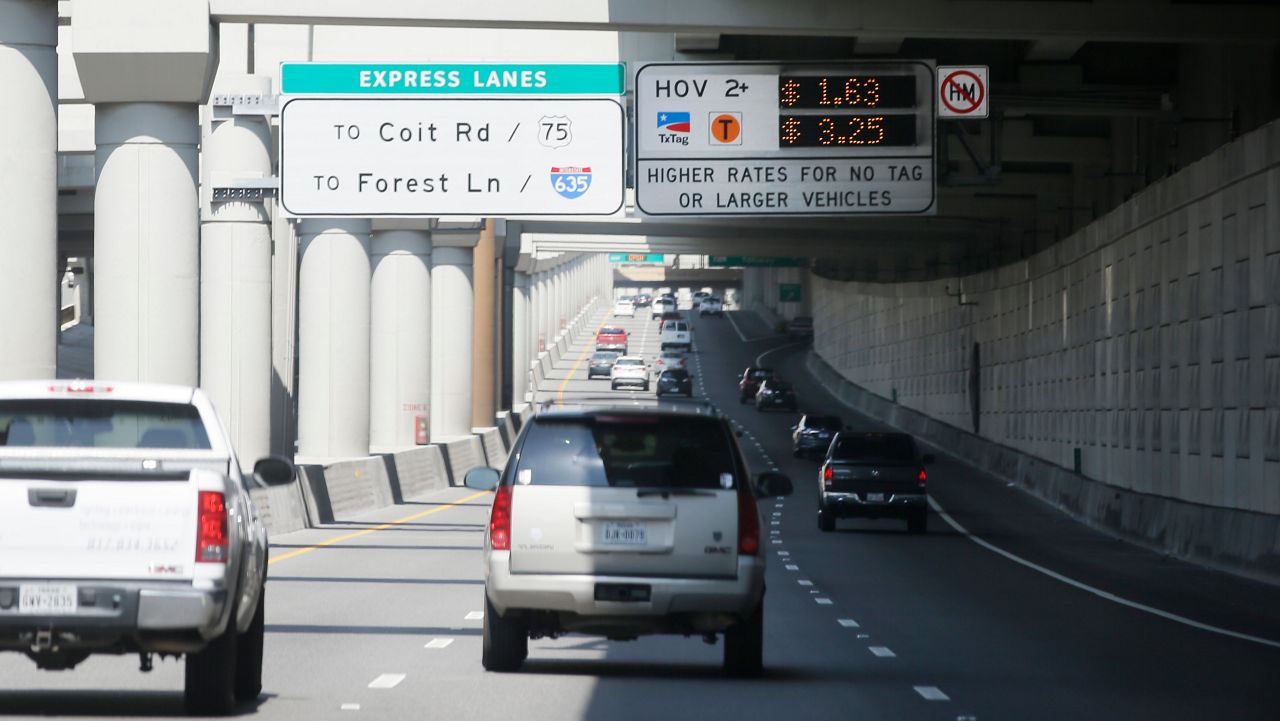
[[495, 454], [1243, 542], [282, 507], [461, 455]]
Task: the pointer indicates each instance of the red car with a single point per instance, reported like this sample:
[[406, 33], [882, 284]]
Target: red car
[[752, 377], [611, 338]]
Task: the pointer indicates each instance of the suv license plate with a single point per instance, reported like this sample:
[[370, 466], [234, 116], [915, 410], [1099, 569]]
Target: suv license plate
[[47, 600], [875, 498], [624, 533]]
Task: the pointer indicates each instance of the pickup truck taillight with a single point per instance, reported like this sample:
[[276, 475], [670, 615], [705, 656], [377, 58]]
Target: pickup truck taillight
[[211, 528], [920, 479], [500, 520], [827, 476], [748, 522]]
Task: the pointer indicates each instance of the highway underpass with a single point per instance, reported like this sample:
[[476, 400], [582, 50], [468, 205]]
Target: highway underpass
[[1079, 313]]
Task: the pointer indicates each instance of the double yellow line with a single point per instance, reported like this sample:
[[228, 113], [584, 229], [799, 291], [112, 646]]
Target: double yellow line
[[375, 529]]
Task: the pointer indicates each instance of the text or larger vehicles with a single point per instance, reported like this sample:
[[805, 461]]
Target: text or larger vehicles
[[623, 523], [127, 527], [873, 475], [676, 334]]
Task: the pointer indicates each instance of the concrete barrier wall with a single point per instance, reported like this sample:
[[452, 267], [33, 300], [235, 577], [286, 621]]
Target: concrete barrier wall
[[1243, 542], [462, 455], [495, 454], [282, 507], [507, 428], [420, 471]]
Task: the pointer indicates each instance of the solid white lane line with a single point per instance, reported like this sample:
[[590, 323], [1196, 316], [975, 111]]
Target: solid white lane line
[[847, 622], [805, 582], [475, 615], [439, 643], [760, 358], [349, 707], [792, 567], [931, 693], [1105, 595], [882, 652], [387, 680], [736, 329], [823, 601]]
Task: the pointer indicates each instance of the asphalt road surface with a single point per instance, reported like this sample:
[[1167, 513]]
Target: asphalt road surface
[[1005, 610]]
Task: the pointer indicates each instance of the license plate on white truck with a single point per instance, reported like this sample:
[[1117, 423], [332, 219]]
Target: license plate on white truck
[[47, 599], [623, 533]]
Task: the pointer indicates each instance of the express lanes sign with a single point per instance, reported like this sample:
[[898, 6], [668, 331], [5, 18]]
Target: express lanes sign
[[428, 141]]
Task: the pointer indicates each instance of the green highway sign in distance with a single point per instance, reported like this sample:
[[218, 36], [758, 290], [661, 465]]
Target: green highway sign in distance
[[753, 261], [789, 293], [637, 258], [473, 79]]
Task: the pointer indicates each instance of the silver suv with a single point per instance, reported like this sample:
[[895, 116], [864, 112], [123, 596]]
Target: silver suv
[[622, 523]]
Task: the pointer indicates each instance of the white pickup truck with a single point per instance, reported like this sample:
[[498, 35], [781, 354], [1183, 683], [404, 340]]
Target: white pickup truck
[[126, 526]]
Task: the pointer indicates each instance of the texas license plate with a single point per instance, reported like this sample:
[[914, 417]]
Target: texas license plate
[[47, 599], [625, 533], [875, 498]]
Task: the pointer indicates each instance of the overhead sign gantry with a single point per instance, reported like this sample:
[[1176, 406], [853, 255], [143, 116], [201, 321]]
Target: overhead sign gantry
[[720, 139], [373, 140]]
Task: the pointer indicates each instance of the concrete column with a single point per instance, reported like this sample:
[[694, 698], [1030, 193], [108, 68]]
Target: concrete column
[[145, 243], [522, 348], [558, 283], [452, 328], [333, 339], [29, 276], [545, 301], [235, 276], [483, 357], [399, 337]]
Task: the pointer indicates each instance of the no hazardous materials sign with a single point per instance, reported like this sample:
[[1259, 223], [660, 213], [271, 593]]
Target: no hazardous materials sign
[[962, 92]]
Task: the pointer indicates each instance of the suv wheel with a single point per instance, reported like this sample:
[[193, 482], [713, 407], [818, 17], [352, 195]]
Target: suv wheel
[[826, 520], [918, 522], [505, 643], [744, 645], [613, 386]]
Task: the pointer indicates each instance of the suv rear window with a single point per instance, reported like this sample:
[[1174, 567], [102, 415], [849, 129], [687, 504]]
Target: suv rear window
[[874, 449], [79, 423], [628, 451]]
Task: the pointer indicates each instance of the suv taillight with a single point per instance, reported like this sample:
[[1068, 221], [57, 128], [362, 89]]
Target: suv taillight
[[827, 476], [211, 528], [920, 479], [748, 522], [500, 520]]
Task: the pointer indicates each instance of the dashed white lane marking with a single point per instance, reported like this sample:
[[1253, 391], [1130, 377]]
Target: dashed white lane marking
[[776, 541], [847, 622], [349, 707], [864, 635], [439, 643], [774, 531], [784, 553], [475, 615], [805, 582], [776, 523], [931, 693], [1096, 591], [792, 567], [777, 513], [823, 601], [882, 652], [387, 680]]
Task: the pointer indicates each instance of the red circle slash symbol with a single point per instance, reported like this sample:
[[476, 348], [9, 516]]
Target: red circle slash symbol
[[950, 83]]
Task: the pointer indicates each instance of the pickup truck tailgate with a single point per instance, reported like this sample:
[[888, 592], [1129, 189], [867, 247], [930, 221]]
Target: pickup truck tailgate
[[97, 529]]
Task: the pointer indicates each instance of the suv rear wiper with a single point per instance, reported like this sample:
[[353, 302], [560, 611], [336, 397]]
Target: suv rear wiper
[[668, 492]]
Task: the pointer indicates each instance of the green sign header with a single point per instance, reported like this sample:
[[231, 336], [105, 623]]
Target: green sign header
[[753, 261], [478, 79]]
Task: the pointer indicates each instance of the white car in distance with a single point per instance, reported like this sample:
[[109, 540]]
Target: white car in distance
[[629, 370], [624, 307], [669, 359]]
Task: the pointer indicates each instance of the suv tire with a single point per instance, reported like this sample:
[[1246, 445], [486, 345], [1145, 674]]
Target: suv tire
[[506, 641], [249, 654], [918, 522], [744, 645], [211, 675], [826, 520]]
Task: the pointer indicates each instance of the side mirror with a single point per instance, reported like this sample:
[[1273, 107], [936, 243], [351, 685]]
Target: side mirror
[[773, 485], [273, 470], [928, 459], [482, 479], [794, 427]]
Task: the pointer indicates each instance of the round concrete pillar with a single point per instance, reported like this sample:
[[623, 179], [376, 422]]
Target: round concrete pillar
[[235, 278], [145, 232], [399, 338], [452, 329], [29, 275], [333, 340], [521, 355]]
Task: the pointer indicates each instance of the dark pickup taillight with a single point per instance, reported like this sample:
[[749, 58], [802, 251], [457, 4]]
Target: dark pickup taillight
[[828, 475], [920, 479]]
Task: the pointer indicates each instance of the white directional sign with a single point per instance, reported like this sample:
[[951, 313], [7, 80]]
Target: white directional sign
[[962, 92], [414, 141], [766, 139]]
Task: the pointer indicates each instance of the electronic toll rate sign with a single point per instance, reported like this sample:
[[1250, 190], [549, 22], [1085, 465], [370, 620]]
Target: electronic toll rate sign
[[716, 139]]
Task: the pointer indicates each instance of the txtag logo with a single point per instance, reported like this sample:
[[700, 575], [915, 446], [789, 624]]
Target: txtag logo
[[673, 128]]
